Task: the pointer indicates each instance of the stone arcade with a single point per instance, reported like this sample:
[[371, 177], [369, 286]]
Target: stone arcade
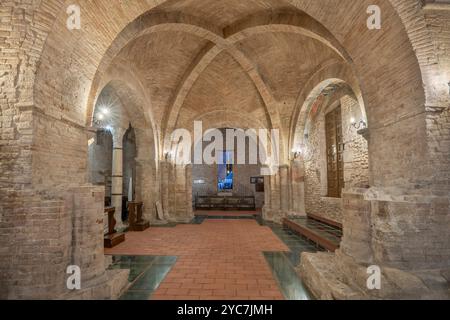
[[364, 148]]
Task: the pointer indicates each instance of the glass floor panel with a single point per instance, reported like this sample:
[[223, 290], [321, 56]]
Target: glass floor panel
[[146, 274]]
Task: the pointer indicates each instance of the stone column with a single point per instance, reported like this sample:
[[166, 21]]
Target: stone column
[[180, 191], [275, 192], [298, 187], [284, 189], [146, 190], [267, 203], [117, 175], [189, 210], [164, 167]]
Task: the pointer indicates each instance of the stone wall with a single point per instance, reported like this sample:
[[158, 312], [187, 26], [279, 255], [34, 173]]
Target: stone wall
[[129, 162], [43, 234], [46, 67], [356, 166], [26, 249], [242, 174], [59, 152], [100, 160], [242, 185], [438, 115]]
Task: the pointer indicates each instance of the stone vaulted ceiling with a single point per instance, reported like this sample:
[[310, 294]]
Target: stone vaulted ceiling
[[193, 78]]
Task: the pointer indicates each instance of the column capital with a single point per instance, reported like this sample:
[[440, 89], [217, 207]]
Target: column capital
[[117, 134]]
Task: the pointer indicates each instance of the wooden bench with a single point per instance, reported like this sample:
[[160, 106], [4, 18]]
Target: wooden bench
[[112, 238], [135, 221], [322, 231], [325, 220], [225, 203]]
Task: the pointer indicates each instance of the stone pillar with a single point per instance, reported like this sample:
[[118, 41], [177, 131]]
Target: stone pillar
[[298, 187], [275, 192], [180, 191], [272, 205], [164, 167], [146, 187], [284, 189], [189, 210], [357, 241], [171, 208], [117, 175], [267, 193]]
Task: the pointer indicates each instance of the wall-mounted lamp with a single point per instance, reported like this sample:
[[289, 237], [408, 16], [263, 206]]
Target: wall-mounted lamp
[[306, 135], [358, 125], [448, 88], [169, 155], [297, 152]]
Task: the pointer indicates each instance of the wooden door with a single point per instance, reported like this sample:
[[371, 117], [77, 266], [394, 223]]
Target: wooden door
[[335, 152]]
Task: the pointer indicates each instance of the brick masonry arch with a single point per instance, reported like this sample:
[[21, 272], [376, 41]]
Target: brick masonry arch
[[46, 88], [363, 58], [329, 73]]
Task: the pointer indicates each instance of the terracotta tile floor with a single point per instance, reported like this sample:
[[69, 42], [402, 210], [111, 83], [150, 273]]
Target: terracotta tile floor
[[218, 259]]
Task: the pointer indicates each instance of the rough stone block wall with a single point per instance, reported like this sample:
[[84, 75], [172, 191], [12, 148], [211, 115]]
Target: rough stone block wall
[[412, 233], [35, 240], [86, 209], [356, 163], [59, 152], [147, 187], [356, 154], [357, 238], [40, 235], [100, 161], [438, 124]]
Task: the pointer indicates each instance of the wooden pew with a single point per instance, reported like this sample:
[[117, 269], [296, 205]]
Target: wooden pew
[[135, 220], [112, 238], [320, 237]]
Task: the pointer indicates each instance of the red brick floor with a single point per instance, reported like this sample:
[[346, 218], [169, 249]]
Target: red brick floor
[[218, 259]]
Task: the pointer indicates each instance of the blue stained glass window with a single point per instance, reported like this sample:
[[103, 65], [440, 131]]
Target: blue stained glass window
[[225, 174]]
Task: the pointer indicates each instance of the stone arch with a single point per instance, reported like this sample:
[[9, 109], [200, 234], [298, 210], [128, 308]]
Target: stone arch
[[364, 62], [267, 22], [413, 19], [134, 101], [332, 72], [409, 11], [332, 96]]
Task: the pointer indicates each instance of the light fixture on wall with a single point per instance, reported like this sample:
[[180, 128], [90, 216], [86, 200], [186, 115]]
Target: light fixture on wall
[[448, 88], [169, 155], [297, 152], [358, 125]]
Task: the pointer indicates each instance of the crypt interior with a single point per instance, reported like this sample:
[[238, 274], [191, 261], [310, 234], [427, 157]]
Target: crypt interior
[[90, 173]]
